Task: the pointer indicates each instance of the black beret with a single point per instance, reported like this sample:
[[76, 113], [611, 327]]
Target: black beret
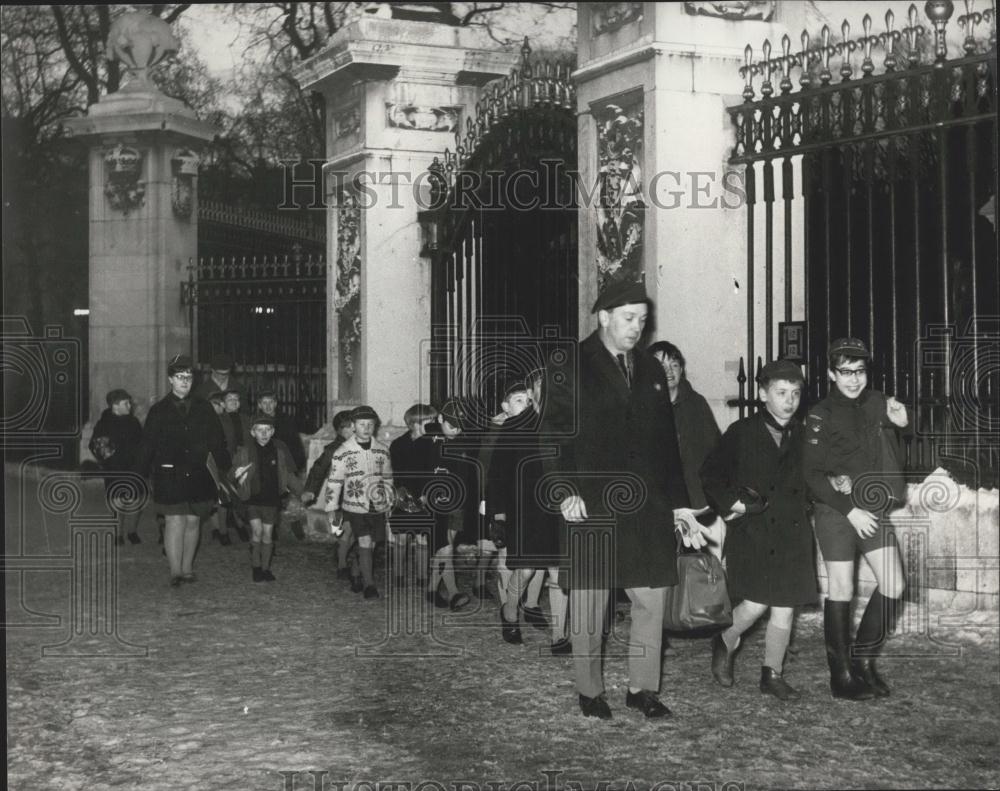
[[780, 369], [852, 347], [178, 363], [620, 292], [363, 412]]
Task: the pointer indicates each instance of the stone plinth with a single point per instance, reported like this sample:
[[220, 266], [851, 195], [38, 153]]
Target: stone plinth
[[140, 241], [676, 74], [395, 92]]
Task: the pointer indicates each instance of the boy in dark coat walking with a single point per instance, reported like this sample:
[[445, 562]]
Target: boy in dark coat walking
[[769, 548], [115, 444], [618, 449]]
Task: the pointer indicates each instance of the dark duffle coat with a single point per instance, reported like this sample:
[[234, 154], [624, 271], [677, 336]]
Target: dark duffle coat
[[618, 450], [175, 449], [769, 556]]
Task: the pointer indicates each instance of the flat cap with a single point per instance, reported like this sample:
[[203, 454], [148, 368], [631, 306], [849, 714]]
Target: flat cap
[[267, 392], [221, 362], [178, 363], [852, 347], [780, 369], [117, 395], [620, 292], [363, 412], [262, 419], [217, 395]]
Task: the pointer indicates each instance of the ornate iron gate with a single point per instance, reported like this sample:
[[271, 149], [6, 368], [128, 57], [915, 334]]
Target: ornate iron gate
[[504, 234], [898, 183], [269, 314]]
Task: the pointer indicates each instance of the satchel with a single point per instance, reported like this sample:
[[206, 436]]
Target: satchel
[[700, 598]]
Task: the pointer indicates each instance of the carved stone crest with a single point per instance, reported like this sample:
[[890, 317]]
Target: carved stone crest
[[347, 121], [762, 10], [184, 168], [426, 119], [122, 187], [606, 17]]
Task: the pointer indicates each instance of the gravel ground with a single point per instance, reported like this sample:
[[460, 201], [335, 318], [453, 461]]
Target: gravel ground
[[224, 683]]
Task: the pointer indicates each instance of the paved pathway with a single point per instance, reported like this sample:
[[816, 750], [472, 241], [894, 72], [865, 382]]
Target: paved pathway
[[229, 684]]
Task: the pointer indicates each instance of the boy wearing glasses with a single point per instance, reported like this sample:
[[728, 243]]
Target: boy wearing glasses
[[852, 468]]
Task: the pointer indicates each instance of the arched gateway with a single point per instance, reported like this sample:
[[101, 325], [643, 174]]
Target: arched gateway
[[502, 234]]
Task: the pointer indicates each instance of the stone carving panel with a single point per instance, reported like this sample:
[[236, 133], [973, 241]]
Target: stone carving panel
[[425, 119], [348, 286], [184, 170], [122, 186], [762, 10], [347, 121], [621, 207], [607, 17]]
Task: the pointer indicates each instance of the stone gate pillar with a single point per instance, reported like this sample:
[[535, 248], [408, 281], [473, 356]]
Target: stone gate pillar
[[396, 92], [653, 84], [143, 218]]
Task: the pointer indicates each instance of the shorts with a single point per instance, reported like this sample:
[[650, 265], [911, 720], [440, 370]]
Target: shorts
[[367, 525], [202, 510], [838, 540], [267, 514]]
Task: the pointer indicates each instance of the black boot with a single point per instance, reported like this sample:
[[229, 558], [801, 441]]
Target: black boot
[[836, 628], [876, 624]]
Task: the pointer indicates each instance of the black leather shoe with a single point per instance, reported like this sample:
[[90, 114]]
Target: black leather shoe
[[133, 538], [865, 668], [357, 584], [459, 601], [647, 702], [595, 707], [772, 683], [175, 582], [267, 575], [561, 647], [722, 662], [510, 631], [371, 592], [258, 574]]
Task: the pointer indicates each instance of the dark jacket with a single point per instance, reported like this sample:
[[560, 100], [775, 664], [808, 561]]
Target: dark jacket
[[116, 441], [320, 469], [852, 436], [235, 429], [288, 481], [453, 490], [516, 468], [697, 435], [175, 448], [769, 556], [618, 450], [208, 385]]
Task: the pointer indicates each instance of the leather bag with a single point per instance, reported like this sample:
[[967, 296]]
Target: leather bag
[[700, 599]]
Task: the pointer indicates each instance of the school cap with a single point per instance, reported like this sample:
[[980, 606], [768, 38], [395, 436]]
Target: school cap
[[454, 413], [262, 420], [117, 395], [178, 363], [620, 292], [363, 412], [221, 362], [218, 395], [267, 392], [780, 369], [852, 347]]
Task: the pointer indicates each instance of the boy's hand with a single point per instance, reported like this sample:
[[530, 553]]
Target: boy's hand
[[573, 508], [896, 412], [307, 497], [242, 472], [865, 523], [841, 483]]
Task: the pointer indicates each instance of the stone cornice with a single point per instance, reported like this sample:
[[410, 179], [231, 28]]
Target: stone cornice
[[181, 125], [646, 49], [376, 49]]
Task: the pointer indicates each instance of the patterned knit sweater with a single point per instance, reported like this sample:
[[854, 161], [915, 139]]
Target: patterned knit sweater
[[362, 476]]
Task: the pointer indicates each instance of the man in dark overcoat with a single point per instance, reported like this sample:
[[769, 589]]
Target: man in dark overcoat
[[618, 457]]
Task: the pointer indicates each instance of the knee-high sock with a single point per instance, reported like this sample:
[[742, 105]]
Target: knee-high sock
[[744, 616], [173, 545], [775, 644], [365, 561], [534, 589], [192, 533], [255, 554], [448, 576], [514, 588], [877, 622], [266, 550], [558, 607]]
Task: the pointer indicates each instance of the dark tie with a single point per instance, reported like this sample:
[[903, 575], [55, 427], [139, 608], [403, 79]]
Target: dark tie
[[624, 368]]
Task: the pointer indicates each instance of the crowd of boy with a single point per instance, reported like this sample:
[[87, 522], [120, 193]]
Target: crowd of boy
[[456, 484]]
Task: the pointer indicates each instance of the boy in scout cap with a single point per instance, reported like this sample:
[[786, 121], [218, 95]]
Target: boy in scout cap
[[852, 451], [769, 554], [264, 472], [360, 482]]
